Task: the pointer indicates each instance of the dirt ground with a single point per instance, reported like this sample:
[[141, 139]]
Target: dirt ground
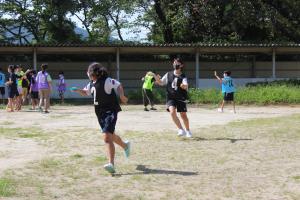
[[253, 154]]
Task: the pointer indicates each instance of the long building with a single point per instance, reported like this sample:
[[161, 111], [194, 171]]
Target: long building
[[129, 62]]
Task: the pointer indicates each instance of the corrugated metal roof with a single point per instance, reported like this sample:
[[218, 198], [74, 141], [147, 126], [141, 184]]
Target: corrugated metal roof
[[194, 45]]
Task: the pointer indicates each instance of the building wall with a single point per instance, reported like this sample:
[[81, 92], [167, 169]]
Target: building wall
[[132, 72]]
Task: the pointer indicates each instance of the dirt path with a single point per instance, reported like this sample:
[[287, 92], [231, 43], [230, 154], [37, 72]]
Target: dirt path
[[135, 119]]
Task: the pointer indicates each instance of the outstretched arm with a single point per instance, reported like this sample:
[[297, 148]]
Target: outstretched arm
[[219, 79], [123, 98]]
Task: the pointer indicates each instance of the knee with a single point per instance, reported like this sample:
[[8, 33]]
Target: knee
[[107, 138], [183, 116], [173, 112]]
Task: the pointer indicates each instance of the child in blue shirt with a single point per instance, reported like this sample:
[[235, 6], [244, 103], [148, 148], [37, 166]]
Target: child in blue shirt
[[228, 89]]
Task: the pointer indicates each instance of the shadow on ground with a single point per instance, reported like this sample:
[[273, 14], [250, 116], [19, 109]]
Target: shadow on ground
[[145, 170], [232, 140]]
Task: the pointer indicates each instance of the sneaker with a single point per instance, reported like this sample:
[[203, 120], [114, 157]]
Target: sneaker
[[181, 132], [188, 134], [110, 168], [146, 109], [220, 110], [153, 108], [46, 112], [127, 149]]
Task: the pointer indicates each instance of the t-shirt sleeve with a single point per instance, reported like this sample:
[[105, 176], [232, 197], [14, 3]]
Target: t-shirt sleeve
[[49, 79], [164, 79], [153, 80], [111, 84], [185, 81], [87, 88]]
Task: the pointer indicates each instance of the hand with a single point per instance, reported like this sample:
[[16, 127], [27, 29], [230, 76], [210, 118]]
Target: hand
[[183, 86], [124, 99]]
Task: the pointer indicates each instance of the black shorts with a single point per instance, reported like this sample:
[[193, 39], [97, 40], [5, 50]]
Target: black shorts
[[107, 121], [229, 96], [12, 93], [179, 105], [2, 91], [34, 95]]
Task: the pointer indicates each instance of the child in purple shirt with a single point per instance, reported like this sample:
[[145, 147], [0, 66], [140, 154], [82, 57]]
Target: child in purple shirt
[[34, 90]]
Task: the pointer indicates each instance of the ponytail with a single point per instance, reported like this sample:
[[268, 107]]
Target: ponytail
[[98, 71]]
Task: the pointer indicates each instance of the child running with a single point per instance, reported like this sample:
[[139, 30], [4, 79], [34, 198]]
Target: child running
[[61, 86], [177, 86], [104, 89], [228, 89], [2, 85]]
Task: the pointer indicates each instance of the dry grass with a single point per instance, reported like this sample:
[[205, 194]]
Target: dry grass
[[253, 159]]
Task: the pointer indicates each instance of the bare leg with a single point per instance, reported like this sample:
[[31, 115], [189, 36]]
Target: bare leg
[[10, 105], [118, 141], [175, 119], [110, 147], [222, 105], [233, 103], [185, 120]]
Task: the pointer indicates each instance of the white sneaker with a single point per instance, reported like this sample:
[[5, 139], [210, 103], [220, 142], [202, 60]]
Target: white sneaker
[[181, 132], [220, 110], [188, 134]]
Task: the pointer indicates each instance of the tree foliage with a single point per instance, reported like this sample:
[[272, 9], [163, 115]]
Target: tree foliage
[[168, 21]]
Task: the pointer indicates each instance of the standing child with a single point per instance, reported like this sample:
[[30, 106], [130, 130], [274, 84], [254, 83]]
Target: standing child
[[44, 81], [2, 85], [148, 97], [228, 89], [12, 88], [61, 86], [104, 89], [19, 75], [34, 91]]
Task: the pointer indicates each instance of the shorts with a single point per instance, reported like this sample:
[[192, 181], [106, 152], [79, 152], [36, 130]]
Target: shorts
[[12, 93], [229, 96], [24, 90], [179, 105], [2, 91], [107, 121], [20, 90], [34, 95], [61, 92]]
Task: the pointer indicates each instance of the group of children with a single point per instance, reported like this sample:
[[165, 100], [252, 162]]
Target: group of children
[[29, 85], [107, 93]]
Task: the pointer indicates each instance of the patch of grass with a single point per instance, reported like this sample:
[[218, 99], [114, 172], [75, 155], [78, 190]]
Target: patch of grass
[[22, 132], [100, 159], [49, 163], [7, 187], [297, 178], [7, 123], [77, 156]]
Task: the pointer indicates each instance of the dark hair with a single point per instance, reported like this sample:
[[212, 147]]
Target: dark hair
[[60, 72], [44, 67], [179, 60], [12, 68], [97, 70], [0, 69], [228, 73]]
